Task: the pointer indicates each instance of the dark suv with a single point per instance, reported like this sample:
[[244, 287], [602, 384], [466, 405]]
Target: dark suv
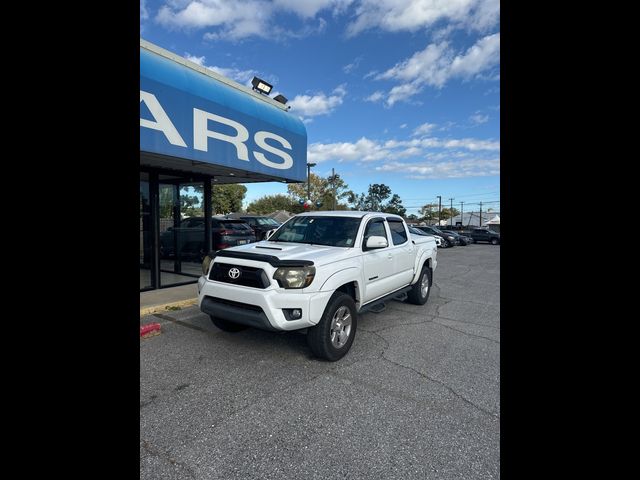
[[189, 236], [484, 235], [261, 225]]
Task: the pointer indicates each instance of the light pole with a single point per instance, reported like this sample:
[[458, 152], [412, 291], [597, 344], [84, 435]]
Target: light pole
[[309, 165], [439, 197], [451, 211], [462, 213]]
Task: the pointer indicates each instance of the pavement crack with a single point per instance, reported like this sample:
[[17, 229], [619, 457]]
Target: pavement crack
[[156, 452], [469, 323], [466, 333], [451, 390]]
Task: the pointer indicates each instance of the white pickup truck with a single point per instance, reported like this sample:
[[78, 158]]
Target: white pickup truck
[[317, 272]]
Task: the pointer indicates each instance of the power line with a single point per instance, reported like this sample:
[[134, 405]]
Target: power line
[[459, 196]]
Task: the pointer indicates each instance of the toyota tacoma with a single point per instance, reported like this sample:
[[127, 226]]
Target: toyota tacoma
[[317, 272]]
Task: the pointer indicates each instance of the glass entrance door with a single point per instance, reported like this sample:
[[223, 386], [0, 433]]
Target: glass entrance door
[[181, 218], [146, 252]]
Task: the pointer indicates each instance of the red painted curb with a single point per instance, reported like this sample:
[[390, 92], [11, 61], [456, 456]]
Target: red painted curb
[[150, 327]]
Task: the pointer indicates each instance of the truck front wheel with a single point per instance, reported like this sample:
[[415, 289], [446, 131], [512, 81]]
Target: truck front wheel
[[332, 337], [419, 293]]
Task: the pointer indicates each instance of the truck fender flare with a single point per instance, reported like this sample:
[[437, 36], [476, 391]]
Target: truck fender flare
[[339, 278], [424, 258]]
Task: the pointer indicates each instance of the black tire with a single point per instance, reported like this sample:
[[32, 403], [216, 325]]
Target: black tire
[[494, 241], [319, 337], [226, 325], [416, 295]]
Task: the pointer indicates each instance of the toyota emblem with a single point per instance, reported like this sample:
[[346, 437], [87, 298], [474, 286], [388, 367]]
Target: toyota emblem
[[234, 273]]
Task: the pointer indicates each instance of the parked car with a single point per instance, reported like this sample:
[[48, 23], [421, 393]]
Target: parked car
[[417, 231], [449, 240], [261, 225], [318, 272], [485, 235], [189, 237], [462, 239]]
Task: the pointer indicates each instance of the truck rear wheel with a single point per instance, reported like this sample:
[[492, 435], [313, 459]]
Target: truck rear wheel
[[419, 293], [332, 337], [226, 325]]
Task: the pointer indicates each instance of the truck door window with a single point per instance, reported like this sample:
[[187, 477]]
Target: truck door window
[[398, 233], [375, 228]]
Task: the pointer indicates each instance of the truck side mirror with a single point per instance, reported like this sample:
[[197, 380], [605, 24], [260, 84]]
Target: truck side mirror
[[377, 242]]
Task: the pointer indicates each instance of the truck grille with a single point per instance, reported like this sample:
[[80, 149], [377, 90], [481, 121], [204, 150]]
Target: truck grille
[[247, 276]]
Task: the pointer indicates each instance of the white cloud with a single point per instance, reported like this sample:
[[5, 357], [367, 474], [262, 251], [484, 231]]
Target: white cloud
[[478, 119], [310, 8], [404, 125], [368, 150], [424, 129], [319, 104], [234, 20], [353, 65], [241, 76], [375, 97], [437, 64], [402, 92], [144, 13], [412, 15], [445, 169]]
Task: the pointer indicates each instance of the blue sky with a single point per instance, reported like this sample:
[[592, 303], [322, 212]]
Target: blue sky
[[401, 92]]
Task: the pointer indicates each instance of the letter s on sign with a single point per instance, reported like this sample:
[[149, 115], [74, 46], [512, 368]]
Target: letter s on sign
[[260, 138]]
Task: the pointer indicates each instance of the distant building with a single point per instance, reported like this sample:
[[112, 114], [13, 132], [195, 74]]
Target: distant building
[[472, 219]]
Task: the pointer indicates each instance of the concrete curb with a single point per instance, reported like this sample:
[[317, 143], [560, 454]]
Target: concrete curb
[[167, 306]]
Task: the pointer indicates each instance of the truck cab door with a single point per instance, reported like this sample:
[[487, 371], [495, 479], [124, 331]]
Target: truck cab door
[[403, 253], [377, 263]]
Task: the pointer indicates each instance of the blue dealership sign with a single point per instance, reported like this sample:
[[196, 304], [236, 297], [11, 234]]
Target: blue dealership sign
[[187, 114]]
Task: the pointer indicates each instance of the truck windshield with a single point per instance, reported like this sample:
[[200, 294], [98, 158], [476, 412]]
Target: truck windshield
[[330, 231]]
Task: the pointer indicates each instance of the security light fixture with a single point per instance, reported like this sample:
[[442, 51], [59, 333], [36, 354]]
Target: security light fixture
[[261, 86], [281, 98]]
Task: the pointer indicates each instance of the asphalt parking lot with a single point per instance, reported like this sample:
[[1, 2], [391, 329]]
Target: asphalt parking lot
[[418, 395]]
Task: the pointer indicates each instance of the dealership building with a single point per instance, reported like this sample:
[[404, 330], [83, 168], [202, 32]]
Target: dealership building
[[199, 129]]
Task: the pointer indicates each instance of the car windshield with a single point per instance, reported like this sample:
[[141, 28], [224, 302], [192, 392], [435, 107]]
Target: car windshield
[[266, 221], [331, 231]]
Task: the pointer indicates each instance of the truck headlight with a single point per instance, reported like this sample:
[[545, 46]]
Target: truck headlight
[[205, 264], [295, 277]]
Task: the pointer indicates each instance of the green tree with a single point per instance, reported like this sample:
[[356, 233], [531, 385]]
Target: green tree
[[321, 189], [447, 213], [227, 198], [395, 206], [374, 200], [429, 213], [378, 193], [271, 203]]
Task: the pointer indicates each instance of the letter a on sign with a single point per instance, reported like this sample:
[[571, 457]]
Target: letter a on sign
[[162, 121]]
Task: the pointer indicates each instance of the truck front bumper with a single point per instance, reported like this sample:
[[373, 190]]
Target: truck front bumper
[[260, 308]]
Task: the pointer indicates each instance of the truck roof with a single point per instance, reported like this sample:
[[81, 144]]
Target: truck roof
[[346, 213]]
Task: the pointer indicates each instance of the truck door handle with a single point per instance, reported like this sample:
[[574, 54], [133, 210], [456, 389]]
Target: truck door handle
[[389, 256]]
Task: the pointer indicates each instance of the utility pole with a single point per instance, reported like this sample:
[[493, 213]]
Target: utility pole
[[480, 215], [462, 214], [451, 211], [439, 207], [309, 165]]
